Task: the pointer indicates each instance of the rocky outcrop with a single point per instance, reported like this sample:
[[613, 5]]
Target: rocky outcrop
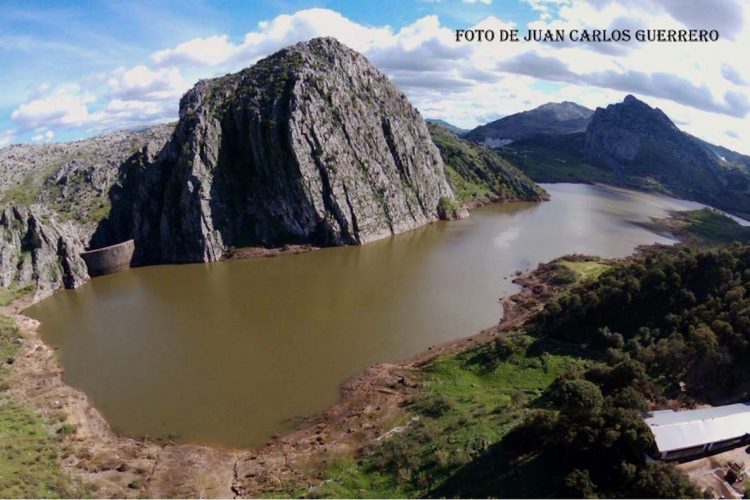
[[555, 118], [52, 199], [311, 145], [37, 249]]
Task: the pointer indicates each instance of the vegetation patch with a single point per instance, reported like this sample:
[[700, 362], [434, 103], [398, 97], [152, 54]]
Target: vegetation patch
[[711, 226], [30, 449], [478, 174], [8, 295], [564, 162], [469, 402], [448, 208], [586, 269]]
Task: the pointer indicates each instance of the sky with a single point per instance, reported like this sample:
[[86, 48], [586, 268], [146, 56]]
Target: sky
[[74, 69]]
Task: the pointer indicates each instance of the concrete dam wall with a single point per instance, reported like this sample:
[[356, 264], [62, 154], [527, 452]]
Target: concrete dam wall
[[110, 259]]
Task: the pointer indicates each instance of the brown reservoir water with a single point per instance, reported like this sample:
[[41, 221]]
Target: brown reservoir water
[[229, 353]]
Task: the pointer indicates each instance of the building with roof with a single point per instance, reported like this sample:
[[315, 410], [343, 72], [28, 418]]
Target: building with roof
[[692, 433]]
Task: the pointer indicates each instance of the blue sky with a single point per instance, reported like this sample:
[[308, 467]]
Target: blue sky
[[75, 69]]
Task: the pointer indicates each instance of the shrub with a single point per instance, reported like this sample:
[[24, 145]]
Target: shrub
[[448, 208]]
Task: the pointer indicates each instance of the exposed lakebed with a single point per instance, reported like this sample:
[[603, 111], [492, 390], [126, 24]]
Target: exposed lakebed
[[230, 353]]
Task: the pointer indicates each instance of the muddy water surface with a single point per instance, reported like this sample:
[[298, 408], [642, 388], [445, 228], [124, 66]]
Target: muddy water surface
[[229, 353]]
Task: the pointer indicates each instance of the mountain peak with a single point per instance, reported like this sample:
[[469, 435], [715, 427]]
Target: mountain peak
[[312, 143], [632, 138], [551, 118], [633, 110]]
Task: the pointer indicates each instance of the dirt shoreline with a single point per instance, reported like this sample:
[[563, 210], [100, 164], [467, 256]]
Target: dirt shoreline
[[112, 465], [371, 405]]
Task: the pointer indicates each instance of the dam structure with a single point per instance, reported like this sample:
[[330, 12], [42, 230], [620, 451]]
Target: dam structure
[[109, 259]]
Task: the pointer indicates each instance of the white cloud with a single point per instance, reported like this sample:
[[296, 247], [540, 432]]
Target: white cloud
[[486, 2], [134, 112], [703, 86], [7, 137], [144, 84], [61, 108], [43, 137], [198, 52], [273, 35]]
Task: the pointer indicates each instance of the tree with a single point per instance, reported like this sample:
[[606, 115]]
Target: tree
[[576, 398], [578, 484], [661, 480]]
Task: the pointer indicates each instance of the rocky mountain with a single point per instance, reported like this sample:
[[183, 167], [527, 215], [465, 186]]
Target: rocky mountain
[[552, 118], [72, 178], [312, 144], [632, 139], [633, 145], [479, 175], [52, 198], [448, 126]]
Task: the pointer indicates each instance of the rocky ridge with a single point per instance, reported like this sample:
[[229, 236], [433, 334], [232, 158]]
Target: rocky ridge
[[37, 249], [72, 178], [311, 145]]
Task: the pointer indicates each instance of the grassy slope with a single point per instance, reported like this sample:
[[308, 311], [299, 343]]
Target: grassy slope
[[545, 164], [586, 269], [476, 172], [8, 295], [30, 450], [712, 226], [467, 405]]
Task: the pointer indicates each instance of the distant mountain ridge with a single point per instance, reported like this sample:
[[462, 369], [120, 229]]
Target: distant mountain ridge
[[448, 126], [635, 145], [552, 118], [633, 139]]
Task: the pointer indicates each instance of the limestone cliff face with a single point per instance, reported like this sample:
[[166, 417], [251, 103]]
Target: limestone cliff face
[[37, 249], [312, 144]]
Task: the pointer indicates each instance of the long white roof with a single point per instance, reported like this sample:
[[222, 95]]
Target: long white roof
[[674, 430]]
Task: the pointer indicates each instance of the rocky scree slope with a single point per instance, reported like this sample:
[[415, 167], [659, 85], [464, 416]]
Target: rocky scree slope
[[310, 145], [52, 198], [479, 175], [551, 118]]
